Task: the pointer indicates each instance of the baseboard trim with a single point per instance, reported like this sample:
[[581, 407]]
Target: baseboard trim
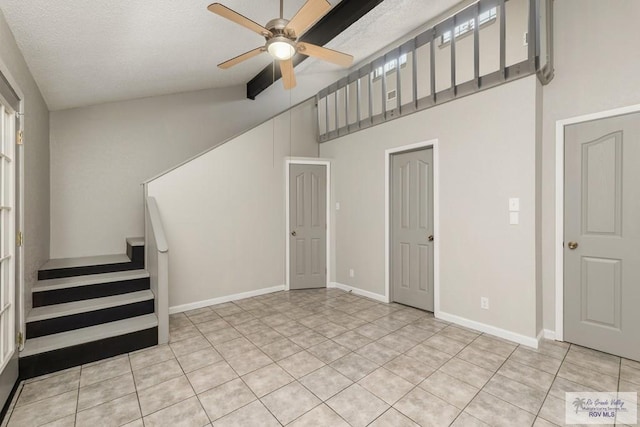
[[482, 327], [549, 334], [359, 291], [228, 298]]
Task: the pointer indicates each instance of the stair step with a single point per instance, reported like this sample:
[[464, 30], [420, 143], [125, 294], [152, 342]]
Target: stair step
[[76, 337], [70, 289], [135, 241], [70, 308], [52, 319], [93, 279], [59, 263]]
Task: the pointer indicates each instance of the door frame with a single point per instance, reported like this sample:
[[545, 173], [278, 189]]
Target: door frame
[[19, 296], [306, 161], [559, 238], [433, 144]]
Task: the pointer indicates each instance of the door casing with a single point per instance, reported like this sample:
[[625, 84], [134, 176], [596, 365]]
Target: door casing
[[306, 161], [436, 217], [559, 238]]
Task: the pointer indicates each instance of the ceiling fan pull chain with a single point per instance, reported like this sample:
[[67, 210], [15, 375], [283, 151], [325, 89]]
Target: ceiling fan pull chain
[[281, 9]]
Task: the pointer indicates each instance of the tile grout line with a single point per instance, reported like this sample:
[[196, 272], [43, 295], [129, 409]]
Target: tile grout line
[[549, 391]]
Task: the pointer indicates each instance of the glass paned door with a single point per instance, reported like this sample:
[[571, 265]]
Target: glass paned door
[[7, 235]]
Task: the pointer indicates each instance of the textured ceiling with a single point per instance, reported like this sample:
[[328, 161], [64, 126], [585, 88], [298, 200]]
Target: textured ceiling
[[84, 52]]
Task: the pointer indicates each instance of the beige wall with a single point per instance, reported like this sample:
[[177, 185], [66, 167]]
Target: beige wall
[[597, 67], [101, 154], [224, 212], [484, 160], [36, 174], [36, 160]]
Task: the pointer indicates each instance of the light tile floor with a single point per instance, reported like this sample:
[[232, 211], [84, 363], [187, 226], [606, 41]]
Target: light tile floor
[[322, 358]]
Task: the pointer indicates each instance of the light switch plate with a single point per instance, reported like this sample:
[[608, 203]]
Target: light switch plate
[[514, 218], [337, 206], [514, 204]]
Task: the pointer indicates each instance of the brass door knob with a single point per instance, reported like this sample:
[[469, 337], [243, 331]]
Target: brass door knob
[[293, 233], [430, 237], [573, 245]]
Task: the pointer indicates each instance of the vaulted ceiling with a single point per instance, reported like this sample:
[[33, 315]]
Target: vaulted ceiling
[[85, 52]]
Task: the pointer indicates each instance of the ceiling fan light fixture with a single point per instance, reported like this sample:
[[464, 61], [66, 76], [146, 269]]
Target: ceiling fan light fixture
[[281, 48]]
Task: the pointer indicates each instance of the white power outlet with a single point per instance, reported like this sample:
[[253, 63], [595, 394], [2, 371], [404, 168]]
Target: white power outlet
[[484, 303], [525, 39], [352, 273]]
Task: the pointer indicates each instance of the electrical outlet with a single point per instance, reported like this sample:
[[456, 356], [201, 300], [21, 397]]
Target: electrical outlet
[[484, 303], [525, 39], [352, 273]]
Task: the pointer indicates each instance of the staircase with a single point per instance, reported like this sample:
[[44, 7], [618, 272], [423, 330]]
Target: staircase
[[87, 309]]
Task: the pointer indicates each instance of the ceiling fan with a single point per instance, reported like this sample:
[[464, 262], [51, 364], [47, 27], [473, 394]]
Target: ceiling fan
[[282, 38]]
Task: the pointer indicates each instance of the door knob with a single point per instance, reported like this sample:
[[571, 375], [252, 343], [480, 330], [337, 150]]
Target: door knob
[[430, 237], [573, 245], [293, 233]]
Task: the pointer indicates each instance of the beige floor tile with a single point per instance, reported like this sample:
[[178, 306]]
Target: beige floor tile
[[189, 346], [373, 332], [249, 361], [410, 369], [497, 412], [199, 359], [48, 387], [264, 338], [156, 374], [221, 336], [328, 351], [104, 370], [321, 415], [630, 374], [183, 333], [308, 338], [444, 344], [325, 382], [357, 406], [426, 409], [429, 355], [213, 326], [526, 375], [114, 413], [593, 379], [211, 376], [467, 372], [524, 397], [165, 394], [449, 389], [587, 358], [459, 334], [226, 398], [235, 347], [187, 413], [105, 391], [494, 345], [393, 418], [150, 356], [301, 364], [553, 410], [378, 353], [386, 385], [280, 349], [68, 421], [45, 411], [481, 358], [466, 420], [536, 360], [397, 342], [354, 366], [290, 402], [265, 380], [352, 340], [253, 414]]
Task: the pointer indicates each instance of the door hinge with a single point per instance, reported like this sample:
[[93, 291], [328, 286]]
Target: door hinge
[[19, 137], [19, 339], [19, 238]]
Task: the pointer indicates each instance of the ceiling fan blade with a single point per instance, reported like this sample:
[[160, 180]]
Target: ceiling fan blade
[[234, 16], [339, 58], [288, 75], [307, 15], [238, 59]]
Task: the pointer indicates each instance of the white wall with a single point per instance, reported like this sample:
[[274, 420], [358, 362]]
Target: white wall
[[487, 147], [36, 171], [597, 67], [223, 212], [101, 154]]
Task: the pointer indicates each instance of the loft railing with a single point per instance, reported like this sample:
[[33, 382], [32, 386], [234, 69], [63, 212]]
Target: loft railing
[[157, 262], [484, 45]]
